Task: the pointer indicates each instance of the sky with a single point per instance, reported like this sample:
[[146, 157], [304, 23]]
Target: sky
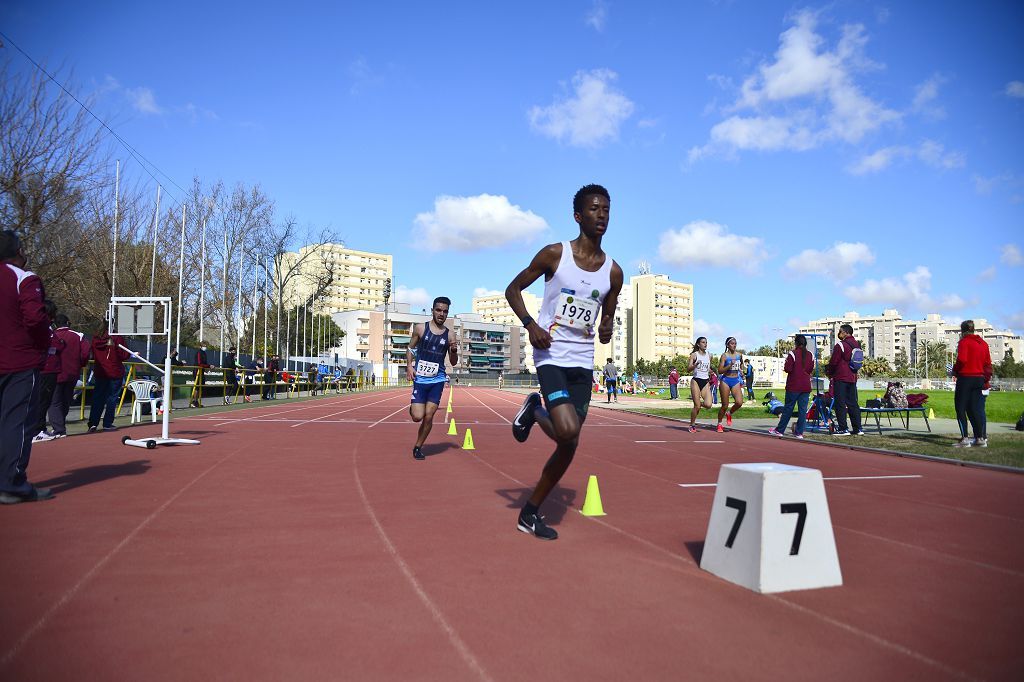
[[790, 161]]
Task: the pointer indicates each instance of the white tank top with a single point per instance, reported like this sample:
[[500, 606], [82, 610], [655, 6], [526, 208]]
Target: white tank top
[[701, 366], [571, 312]]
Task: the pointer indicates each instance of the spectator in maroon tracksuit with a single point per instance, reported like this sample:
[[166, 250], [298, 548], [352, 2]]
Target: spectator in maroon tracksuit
[[108, 373], [24, 338], [973, 371], [844, 382], [74, 355], [799, 366], [47, 376]]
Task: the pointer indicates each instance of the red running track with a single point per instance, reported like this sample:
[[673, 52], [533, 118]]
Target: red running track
[[302, 541]]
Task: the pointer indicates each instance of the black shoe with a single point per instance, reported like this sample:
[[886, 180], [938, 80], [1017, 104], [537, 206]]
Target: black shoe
[[92, 428], [525, 420], [417, 453], [34, 495], [534, 525]]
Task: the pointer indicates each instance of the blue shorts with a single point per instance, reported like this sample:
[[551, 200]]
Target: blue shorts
[[427, 393], [732, 382]]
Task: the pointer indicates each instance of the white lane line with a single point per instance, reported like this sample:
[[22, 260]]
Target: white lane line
[[827, 478], [507, 421], [707, 441], [656, 441], [334, 414], [403, 407]]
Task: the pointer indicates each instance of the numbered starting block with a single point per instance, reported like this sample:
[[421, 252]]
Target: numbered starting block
[[770, 529]]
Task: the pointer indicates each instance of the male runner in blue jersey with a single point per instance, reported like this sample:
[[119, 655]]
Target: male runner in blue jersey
[[581, 290], [432, 343]]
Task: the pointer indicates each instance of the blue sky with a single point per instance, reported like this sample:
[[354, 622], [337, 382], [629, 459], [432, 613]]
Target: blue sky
[[791, 161]]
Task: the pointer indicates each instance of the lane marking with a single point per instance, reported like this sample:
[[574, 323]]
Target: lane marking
[[507, 421], [351, 409], [826, 478], [656, 441], [388, 417], [707, 441]]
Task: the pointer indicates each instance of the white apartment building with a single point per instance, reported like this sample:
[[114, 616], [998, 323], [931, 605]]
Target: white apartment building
[[882, 336], [618, 349], [495, 308], [357, 277], [661, 318]]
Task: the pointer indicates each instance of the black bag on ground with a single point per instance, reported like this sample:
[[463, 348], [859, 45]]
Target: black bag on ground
[[874, 402], [1020, 423]]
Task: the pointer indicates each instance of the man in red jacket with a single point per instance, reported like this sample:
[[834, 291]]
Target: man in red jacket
[[973, 371], [24, 338], [73, 357], [844, 382], [108, 372]]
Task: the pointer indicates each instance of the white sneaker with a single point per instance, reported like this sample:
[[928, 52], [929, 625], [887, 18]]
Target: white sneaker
[[963, 443], [980, 443], [41, 437], [799, 435], [774, 432]]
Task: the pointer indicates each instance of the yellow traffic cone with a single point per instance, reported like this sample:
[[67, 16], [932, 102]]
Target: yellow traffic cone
[[452, 431], [931, 413], [467, 442], [592, 505]]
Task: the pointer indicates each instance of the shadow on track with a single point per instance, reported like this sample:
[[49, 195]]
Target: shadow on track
[[76, 478], [553, 510]]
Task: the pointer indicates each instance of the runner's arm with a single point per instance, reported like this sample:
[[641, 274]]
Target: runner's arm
[[410, 373], [453, 351], [610, 302], [544, 263]]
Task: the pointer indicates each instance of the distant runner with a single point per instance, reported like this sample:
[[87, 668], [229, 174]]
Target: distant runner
[[433, 344]]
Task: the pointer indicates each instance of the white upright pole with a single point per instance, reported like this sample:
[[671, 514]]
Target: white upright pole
[[238, 322], [287, 339], [224, 296], [152, 267], [266, 309], [117, 188], [255, 286], [305, 342], [181, 278], [202, 284]]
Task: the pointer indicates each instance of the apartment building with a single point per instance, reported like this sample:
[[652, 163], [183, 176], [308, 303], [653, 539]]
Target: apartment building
[[494, 308], [486, 348], [660, 318], [357, 281], [618, 348], [883, 336]]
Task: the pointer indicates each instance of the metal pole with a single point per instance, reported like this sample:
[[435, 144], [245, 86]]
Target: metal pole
[[152, 267], [202, 284], [238, 321], [224, 295], [277, 288], [181, 277], [255, 317], [288, 339], [117, 188], [266, 310], [305, 342]]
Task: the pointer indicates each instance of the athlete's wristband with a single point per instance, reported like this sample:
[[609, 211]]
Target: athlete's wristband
[[526, 321]]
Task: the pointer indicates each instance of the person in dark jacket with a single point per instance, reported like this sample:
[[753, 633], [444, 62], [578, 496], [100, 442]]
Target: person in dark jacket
[[202, 364], [270, 377], [973, 371], [844, 382], [47, 376], [230, 366], [74, 355], [799, 366], [24, 339], [108, 375]]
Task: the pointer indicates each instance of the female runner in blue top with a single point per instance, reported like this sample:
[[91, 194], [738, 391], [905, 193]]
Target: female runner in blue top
[[730, 368]]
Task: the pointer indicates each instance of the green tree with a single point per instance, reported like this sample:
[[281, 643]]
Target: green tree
[[876, 367], [1008, 368], [932, 358], [902, 366]]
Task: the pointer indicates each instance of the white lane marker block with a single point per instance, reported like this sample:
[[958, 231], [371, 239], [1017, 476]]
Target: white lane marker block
[[770, 529]]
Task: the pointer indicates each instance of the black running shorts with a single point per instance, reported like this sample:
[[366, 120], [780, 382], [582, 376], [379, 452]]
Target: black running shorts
[[566, 385]]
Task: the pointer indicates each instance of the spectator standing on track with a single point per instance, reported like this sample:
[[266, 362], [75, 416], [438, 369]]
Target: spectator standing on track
[[202, 364], [270, 377], [581, 291], [799, 367], [433, 343], [107, 374], [713, 380], [175, 360], [973, 372], [842, 369], [24, 338], [673, 384], [48, 376], [229, 365], [73, 358], [749, 375], [611, 380]]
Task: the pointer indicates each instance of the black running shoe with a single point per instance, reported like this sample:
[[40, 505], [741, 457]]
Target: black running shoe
[[417, 453], [525, 420], [534, 525]]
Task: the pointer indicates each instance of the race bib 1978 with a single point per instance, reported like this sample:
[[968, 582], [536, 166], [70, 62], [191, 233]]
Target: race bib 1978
[[576, 313]]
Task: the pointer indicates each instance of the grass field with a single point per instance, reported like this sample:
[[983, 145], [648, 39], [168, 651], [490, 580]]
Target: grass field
[[1006, 449]]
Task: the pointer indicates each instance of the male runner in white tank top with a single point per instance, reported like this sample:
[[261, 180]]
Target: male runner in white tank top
[[581, 290]]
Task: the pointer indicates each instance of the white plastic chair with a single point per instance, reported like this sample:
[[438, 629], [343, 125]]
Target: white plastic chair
[[142, 390]]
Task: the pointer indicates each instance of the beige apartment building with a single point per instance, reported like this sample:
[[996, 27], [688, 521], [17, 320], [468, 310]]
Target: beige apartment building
[[660, 318], [883, 336], [495, 308], [618, 348], [357, 283]]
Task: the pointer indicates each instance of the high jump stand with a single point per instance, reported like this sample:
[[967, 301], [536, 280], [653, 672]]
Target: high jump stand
[[136, 316]]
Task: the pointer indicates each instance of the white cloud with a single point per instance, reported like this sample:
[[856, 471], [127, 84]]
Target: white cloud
[[592, 116], [597, 16], [936, 156], [1011, 255], [480, 292], [703, 243], [929, 152], [987, 275], [879, 160], [838, 262], [416, 297], [911, 290], [475, 223], [1015, 89], [143, 99], [1014, 321], [806, 97], [925, 95], [712, 330]]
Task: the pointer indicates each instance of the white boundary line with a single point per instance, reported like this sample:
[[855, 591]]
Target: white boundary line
[[403, 407], [351, 409], [506, 419], [826, 478]]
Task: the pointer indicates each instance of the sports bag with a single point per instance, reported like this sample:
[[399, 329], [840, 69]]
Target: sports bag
[[856, 359]]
